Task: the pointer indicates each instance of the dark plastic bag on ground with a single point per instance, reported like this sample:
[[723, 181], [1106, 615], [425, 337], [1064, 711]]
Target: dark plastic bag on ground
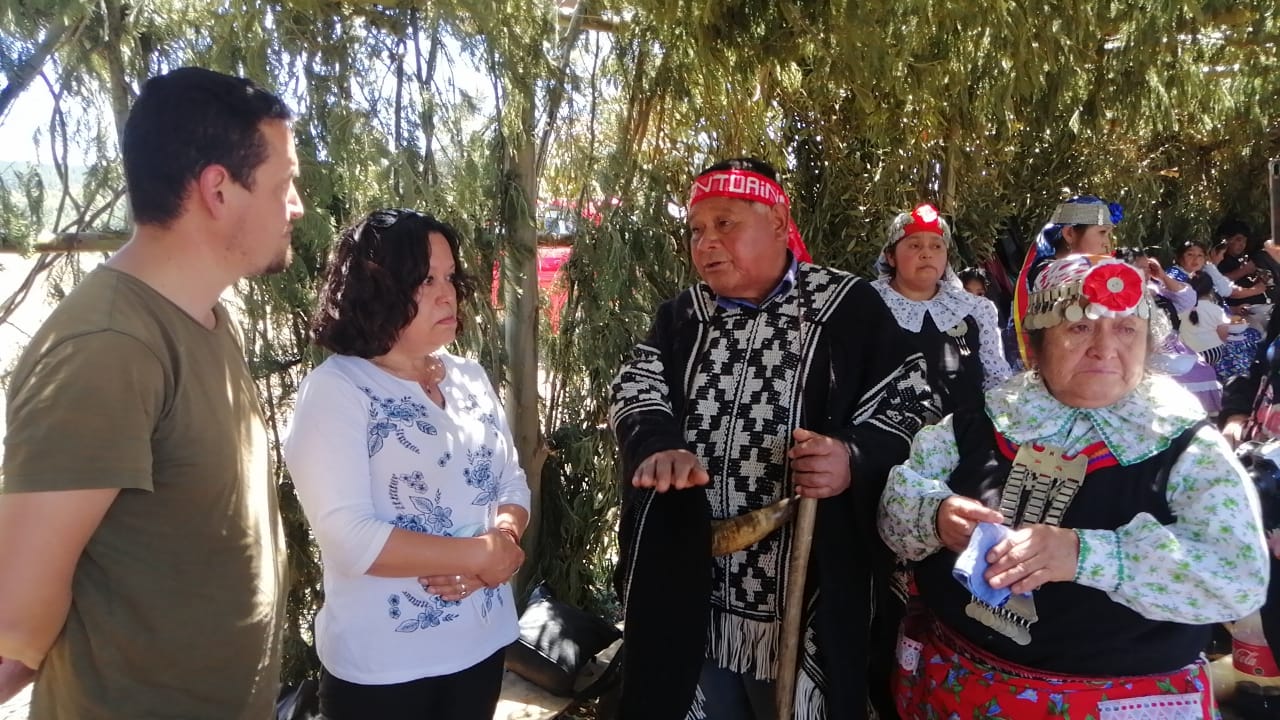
[[558, 640], [301, 702]]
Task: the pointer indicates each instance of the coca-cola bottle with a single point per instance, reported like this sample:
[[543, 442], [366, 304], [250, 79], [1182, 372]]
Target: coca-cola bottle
[[1250, 655], [1257, 688], [1257, 691]]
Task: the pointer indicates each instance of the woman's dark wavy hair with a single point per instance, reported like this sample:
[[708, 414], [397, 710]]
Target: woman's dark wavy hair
[[368, 294]]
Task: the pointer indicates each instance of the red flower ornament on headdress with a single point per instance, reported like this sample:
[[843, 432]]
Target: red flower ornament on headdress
[[922, 219], [1112, 289]]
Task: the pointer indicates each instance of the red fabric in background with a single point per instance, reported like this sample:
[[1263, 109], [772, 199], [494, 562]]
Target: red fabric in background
[[550, 258]]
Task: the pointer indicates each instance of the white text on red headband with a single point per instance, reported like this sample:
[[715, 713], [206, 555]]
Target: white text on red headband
[[740, 184]]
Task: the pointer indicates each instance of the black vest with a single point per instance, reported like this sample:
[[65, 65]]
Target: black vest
[[1081, 631], [955, 366]]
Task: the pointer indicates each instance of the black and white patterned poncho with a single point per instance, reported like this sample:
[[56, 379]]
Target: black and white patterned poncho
[[730, 384]]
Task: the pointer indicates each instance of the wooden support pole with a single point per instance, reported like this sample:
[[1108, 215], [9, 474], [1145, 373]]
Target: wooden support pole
[[69, 242]]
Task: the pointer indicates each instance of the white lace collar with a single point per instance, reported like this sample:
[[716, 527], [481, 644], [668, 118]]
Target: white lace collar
[[1143, 423], [948, 307]]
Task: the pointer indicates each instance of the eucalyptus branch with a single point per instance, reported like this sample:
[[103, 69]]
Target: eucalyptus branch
[[29, 68], [556, 97], [113, 49], [398, 132], [58, 139], [426, 79], [15, 300], [89, 220]]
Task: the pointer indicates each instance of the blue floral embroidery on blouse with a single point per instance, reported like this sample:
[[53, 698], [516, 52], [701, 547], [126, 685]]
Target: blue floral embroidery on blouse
[[413, 523], [435, 516], [481, 476], [432, 516], [432, 612], [388, 417], [444, 459], [415, 480], [492, 596]]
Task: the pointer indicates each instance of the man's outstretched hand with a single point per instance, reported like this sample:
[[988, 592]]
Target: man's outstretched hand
[[670, 470]]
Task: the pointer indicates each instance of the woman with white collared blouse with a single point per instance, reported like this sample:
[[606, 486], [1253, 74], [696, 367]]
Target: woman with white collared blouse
[[958, 332]]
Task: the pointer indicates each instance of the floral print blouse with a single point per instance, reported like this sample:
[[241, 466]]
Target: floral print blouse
[[368, 453], [1211, 565]]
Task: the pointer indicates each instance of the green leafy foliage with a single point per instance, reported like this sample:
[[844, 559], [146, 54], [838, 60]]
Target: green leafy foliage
[[994, 111]]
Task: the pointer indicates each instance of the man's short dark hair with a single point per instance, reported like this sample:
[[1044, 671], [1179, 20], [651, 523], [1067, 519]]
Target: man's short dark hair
[[183, 122], [751, 164], [368, 294], [1230, 228]]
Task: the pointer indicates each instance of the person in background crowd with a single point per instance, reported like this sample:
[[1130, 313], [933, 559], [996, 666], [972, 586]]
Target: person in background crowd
[[1188, 259], [1193, 258], [974, 281], [1076, 537], [1251, 412], [1249, 401], [1081, 225], [1170, 354], [753, 386], [1206, 330], [141, 555], [1229, 358], [405, 466], [1238, 267]]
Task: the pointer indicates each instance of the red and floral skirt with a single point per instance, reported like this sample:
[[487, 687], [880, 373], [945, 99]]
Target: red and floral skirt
[[943, 677]]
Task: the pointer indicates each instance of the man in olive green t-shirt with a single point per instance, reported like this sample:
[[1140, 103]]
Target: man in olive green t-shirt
[[141, 555]]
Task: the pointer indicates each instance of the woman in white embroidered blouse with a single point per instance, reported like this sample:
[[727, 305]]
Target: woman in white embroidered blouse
[[406, 469], [1075, 537], [957, 331]]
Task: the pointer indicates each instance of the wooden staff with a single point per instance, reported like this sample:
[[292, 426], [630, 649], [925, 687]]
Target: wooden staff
[[792, 631], [793, 608]]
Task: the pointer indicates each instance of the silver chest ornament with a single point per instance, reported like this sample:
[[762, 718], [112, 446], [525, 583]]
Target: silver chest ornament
[[1040, 486], [958, 331]]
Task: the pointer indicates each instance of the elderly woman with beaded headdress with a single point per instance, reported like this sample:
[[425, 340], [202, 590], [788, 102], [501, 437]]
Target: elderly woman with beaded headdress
[[1077, 536], [956, 331]]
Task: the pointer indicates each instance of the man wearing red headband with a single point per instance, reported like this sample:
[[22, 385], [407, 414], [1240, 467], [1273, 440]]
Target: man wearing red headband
[[757, 384]]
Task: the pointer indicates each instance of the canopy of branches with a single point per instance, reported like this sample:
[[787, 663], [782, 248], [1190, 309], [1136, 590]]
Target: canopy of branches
[[476, 109]]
